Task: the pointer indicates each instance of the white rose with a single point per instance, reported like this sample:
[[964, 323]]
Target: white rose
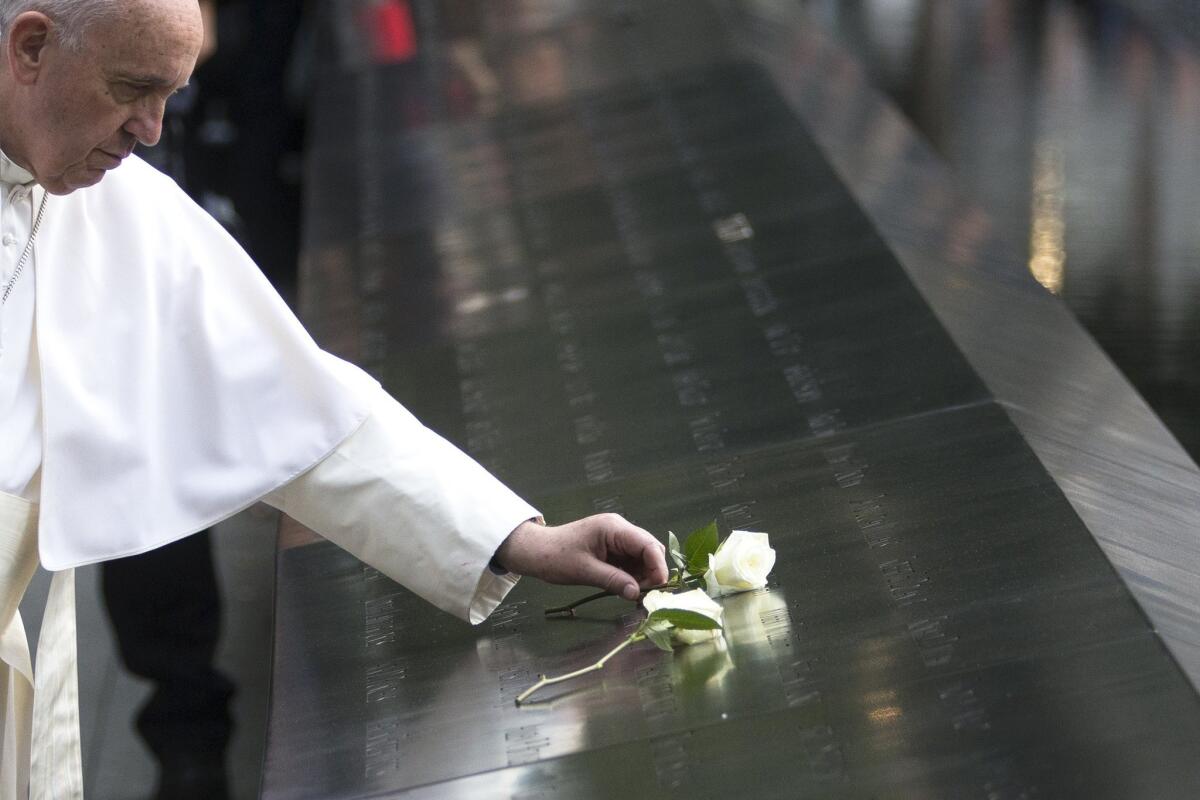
[[696, 601], [741, 563]]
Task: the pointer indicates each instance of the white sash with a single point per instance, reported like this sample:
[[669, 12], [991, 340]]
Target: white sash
[[39, 733]]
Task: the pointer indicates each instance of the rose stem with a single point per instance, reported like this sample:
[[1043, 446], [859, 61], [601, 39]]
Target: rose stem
[[636, 636], [569, 609]]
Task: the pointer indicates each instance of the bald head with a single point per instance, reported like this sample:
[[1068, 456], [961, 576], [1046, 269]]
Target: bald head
[[83, 81], [71, 16], [74, 17]]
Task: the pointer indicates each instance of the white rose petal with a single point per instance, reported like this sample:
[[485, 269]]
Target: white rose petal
[[689, 636], [696, 601], [741, 563]]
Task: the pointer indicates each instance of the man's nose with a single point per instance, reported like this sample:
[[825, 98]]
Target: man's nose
[[146, 124]]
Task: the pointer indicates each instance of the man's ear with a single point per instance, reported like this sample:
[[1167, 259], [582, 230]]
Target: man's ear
[[27, 39]]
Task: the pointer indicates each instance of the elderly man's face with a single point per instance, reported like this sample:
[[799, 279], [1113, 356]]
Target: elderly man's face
[[86, 111]]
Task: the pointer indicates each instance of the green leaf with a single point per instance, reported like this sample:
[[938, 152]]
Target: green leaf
[[675, 551], [682, 618], [660, 634], [698, 546]]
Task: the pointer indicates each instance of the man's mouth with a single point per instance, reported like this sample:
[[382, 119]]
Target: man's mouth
[[110, 160]]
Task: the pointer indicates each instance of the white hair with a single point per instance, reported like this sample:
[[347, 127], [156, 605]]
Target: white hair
[[72, 17]]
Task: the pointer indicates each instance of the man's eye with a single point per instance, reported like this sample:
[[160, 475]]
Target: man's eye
[[126, 92]]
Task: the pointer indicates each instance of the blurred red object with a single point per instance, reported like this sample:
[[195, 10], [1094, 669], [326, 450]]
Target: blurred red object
[[391, 31]]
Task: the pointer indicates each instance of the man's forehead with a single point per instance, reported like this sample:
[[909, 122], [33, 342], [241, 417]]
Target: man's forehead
[[152, 49]]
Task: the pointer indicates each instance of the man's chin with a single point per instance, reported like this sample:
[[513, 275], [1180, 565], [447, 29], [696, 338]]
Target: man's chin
[[75, 179]]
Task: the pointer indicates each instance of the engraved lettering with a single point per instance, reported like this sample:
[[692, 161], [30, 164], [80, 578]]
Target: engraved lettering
[[691, 387], [851, 477], [670, 761], [713, 201], [381, 747], [966, 711], [760, 297], [663, 320], [742, 259], [800, 687], [649, 284], [936, 645], [803, 382], [382, 681], [782, 340], [656, 692], [738, 515], [706, 433], [578, 386], [562, 323], [524, 744], [906, 584], [724, 476], [868, 513], [569, 357], [380, 620], [474, 399], [470, 358], [777, 623], [610, 504], [827, 423], [822, 751], [734, 228], [676, 349], [589, 429], [598, 466]]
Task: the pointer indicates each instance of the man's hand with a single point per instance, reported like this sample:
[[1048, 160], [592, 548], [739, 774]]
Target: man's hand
[[604, 550]]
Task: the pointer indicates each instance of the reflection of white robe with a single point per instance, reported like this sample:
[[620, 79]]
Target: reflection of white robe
[[176, 389]]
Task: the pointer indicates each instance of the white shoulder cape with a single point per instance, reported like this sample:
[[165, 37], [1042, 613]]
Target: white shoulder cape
[[177, 387]]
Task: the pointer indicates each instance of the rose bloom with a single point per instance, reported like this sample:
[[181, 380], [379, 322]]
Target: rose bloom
[[695, 600], [741, 563]]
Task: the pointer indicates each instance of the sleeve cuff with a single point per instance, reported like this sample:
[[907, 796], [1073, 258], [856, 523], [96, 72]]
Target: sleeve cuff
[[413, 506], [491, 590]]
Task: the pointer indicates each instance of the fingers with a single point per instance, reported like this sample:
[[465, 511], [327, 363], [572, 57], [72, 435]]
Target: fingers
[[610, 578], [642, 554]]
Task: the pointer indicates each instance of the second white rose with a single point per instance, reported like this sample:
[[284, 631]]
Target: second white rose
[[696, 601], [741, 563]]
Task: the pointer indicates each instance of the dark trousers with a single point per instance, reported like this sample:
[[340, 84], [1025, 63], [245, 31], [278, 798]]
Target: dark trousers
[[165, 609]]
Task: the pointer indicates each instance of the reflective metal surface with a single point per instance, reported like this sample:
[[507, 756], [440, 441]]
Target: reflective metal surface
[[621, 271], [1124, 474]]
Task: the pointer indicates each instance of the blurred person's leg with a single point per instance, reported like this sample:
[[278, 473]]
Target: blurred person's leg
[[165, 609]]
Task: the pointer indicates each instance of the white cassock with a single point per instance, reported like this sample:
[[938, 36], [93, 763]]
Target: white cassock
[[152, 383]]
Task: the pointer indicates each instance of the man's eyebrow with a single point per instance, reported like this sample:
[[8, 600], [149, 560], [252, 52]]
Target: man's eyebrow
[[156, 81]]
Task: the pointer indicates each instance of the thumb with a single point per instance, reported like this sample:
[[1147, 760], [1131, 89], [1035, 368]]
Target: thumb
[[609, 578]]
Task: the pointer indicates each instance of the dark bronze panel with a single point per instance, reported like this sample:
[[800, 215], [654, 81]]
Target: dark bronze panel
[[939, 623]]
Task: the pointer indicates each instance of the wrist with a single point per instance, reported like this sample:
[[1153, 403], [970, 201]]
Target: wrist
[[508, 556]]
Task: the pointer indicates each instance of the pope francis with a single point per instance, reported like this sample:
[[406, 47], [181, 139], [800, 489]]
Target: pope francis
[[152, 383]]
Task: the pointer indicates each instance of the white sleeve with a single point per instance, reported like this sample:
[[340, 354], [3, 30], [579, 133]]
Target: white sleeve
[[414, 507]]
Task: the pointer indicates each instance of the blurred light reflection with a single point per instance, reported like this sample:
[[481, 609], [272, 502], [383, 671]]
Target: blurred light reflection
[[1047, 253], [1011, 94]]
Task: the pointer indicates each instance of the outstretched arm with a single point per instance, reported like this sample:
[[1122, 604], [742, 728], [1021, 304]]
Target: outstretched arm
[[413, 506]]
